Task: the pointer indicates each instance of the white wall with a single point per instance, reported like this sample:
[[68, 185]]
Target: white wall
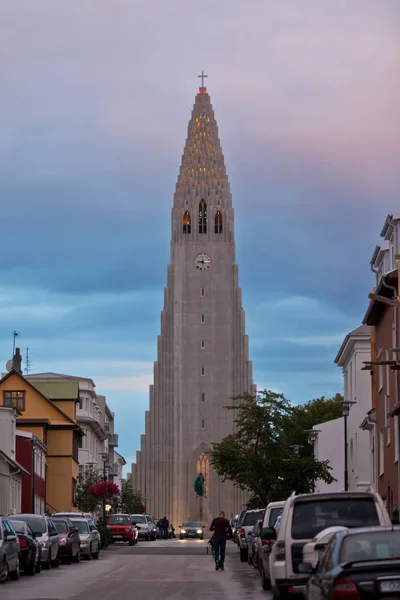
[[7, 431], [330, 446]]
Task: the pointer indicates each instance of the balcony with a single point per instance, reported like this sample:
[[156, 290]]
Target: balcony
[[113, 440], [113, 470]]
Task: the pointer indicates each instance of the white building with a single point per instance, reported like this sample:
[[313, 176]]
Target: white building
[[330, 446], [10, 470], [353, 353], [118, 464]]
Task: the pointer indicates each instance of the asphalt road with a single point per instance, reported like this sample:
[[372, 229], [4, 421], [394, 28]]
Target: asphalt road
[[162, 570]]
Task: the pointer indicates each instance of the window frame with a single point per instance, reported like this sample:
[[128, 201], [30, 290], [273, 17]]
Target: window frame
[[16, 406]]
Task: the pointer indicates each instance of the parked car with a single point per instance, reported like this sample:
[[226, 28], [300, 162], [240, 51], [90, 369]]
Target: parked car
[[152, 527], [303, 517], [357, 563], [253, 545], [89, 538], [94, 531], [70, 542], [191, 529], [47, 535], [249, 520], [239, 520], [143, 527], [9, 551], [272, 512], [121, 528], [30, 552]]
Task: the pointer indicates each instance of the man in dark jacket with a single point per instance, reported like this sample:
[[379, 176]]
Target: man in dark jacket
[[165, 526], [220, 526]]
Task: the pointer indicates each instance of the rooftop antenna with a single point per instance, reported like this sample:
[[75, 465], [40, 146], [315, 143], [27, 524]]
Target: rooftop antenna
[[28, 363], [15, 334]]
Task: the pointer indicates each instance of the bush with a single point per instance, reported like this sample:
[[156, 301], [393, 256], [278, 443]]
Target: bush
[[104, 535]]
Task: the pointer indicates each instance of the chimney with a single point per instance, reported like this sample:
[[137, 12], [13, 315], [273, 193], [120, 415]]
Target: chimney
[[16, 361]]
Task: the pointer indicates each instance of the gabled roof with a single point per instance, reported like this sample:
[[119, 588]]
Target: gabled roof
[[13, 372], [387, 227], [361, 333], [13, 463]]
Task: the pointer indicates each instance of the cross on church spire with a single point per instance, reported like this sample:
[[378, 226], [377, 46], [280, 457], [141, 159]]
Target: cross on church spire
[[202, 76]]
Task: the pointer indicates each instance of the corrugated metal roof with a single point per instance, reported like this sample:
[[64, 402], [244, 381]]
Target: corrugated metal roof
[[54, 390]]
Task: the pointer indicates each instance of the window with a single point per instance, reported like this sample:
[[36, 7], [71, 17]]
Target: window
[[80, 403], [202, 217], [187, 223], [218, 222], [14, 399], [203, 424], [203, 397], [380, 370], [203, 467], [202, 370], [203, 292], [203, 318], [381, 456], [203, 344]]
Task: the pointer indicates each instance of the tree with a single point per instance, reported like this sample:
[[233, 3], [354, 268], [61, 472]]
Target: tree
[[258, 456], [83, 499], [129, 500]]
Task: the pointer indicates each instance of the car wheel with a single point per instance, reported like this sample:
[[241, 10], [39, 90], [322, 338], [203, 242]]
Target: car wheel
[[181, 537], [14, 575], [3, 571], [68, 559], [131, 542], [38, 566], [265, 582], [47, 564], [30, 569], [243, 554], [56, 562], [77, 557], [202, 537]]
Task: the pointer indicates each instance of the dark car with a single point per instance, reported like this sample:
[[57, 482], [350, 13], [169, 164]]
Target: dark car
[[191, 529], [361, 563], [46, 534], [30, 553], [70, 543]]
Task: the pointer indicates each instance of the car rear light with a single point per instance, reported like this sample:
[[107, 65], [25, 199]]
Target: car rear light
[[242, 533], [280, 553], [345, 589], [23, 543]]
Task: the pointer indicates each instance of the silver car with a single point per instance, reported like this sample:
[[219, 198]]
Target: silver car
[[9, 551], [47, 535], [89, 536]]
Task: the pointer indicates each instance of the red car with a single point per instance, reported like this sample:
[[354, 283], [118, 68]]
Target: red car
[[70, 543], [122, 529]]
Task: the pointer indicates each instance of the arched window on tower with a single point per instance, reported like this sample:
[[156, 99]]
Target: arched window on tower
[[187, 223], [203, 467], [218, 222], [202, 217]]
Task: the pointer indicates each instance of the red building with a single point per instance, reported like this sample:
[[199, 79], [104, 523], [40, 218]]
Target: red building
[[31, 454]]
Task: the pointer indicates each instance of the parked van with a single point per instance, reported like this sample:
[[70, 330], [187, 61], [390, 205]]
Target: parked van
[[303, 517]]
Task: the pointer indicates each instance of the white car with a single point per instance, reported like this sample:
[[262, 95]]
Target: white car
[[313, 550], [303, 517]]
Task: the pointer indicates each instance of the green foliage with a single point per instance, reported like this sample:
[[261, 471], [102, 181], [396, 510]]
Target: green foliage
[[128, 500], [83, 500], [258, 456]]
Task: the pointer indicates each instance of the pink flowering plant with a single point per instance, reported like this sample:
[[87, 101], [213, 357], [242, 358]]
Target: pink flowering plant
[[104, 489]]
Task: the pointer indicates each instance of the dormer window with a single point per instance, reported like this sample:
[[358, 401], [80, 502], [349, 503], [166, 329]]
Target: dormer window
[[187, 223], [218, 222], [202, 217]]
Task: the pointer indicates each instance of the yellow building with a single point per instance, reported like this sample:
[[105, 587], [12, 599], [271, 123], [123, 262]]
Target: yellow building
[[53, 422]]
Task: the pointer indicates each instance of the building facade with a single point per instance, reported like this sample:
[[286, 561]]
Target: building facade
[[203, 360], [112, 437], [32, 455], [10, 470], [382, 420], [329, 445], [353, 353]]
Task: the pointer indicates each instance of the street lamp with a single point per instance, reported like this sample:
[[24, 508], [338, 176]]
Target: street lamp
[[312, 438], [346, 405], [104, 457]]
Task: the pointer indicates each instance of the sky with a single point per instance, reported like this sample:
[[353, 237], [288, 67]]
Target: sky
[[95, 102]]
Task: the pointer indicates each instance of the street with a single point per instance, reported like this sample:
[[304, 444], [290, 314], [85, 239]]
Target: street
[[170, 570]]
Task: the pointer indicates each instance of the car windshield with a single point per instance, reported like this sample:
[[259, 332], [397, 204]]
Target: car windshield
[[274, 514], [82, 526], [118, 520], [191, 524], [371, 546], [251, 518], [37, 524], [19, 526], [139, 519], [309, 518], [61, 526]]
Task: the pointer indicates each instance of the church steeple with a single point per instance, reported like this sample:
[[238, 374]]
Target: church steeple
[[202, 196]]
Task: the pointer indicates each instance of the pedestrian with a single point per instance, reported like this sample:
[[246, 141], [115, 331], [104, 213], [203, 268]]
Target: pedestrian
[[220, 526], [160, 529], [165, 525]]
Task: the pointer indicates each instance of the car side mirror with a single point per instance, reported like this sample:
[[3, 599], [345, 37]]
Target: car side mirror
[[306, 568], [319, 546], [268, 533]]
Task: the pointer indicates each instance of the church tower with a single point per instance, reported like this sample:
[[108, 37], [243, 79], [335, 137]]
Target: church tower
[[202, 360]]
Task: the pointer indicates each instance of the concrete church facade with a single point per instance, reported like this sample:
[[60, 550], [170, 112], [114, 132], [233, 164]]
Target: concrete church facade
[[203, 360]]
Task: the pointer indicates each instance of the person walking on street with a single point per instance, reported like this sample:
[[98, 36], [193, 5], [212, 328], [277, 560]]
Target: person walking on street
[[220, 526], [165, 525]]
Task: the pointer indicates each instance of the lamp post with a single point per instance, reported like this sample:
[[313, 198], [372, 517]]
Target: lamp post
[[346, 405], [312, 438], [104, 457]]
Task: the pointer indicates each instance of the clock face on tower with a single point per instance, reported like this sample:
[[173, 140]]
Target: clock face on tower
[[202, 262]]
